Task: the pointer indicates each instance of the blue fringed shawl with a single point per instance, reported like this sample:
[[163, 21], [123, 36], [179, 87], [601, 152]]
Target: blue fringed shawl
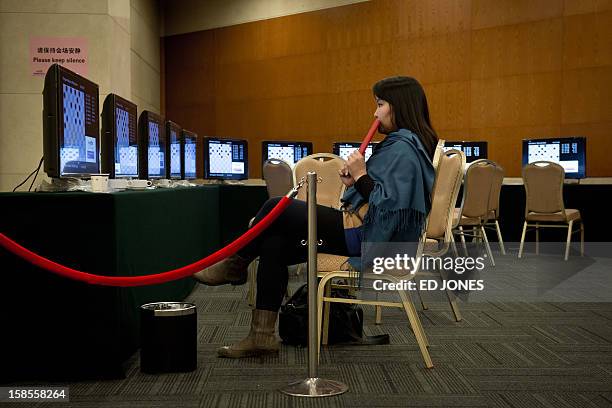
[[403, 177]]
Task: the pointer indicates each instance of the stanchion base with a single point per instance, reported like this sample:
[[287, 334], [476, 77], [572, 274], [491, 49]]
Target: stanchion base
[[315, 387]]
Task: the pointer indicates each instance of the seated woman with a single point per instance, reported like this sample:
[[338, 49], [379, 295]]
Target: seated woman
[[396, 184]]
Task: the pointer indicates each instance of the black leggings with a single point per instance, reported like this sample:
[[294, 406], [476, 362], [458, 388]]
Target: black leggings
[[280, 245]]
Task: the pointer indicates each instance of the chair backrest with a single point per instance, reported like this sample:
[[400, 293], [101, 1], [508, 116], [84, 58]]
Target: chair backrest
[[278, 176], [543, 187], [477, 185], [449, 175], [438, 153], [327, 166]]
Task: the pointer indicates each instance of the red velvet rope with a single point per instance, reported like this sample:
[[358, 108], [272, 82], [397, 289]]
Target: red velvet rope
[[154, 279], [369, 136]]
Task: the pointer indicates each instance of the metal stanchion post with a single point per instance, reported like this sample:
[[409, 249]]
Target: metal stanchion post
[[313, 386]]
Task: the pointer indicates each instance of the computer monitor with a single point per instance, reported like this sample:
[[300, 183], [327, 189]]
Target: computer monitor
[[152, 146], [569, 152], [473, 150], [71, 124], [189, 142], [173, 156], [119, 145], [225, 159], [291, 152], [344, 149]]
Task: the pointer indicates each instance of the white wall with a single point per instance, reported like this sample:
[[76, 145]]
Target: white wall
[[187, 16], [121, 60]]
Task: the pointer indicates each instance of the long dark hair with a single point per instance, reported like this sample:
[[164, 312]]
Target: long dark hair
[[410, 111]]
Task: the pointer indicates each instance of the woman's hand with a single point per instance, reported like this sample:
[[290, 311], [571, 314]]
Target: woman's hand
[[346, 177], [356, 165]]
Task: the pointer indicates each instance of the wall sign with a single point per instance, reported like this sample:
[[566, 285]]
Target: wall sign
[[67, 51]]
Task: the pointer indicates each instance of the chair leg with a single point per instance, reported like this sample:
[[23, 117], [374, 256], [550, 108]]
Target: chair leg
[[500, 239], [569, 238], [415, 324], [537, 238], [451, 298], [322, 288], [453, 304], [487, 246], [465, 251], [378, 315], [522, 239], [421, 298], [326, 310], [252, 271], [413, 309], [453, 245], [377, 311], [319, 321], [581, 238]]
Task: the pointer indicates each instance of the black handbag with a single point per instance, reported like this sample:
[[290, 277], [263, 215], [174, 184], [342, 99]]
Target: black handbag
[[345, 321]]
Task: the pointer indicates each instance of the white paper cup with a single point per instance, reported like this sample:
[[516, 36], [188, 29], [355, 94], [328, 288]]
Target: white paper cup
[[99, 183]]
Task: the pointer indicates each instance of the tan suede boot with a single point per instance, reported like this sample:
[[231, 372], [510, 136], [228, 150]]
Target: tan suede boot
[[261, 339], [233, 269]]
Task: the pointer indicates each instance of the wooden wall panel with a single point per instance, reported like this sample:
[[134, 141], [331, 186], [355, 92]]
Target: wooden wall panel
[[285, 36], [588, 40], [586, 95], [498, 71], [449, 104], [586, 6], [437, 59], [239, 43], [523, 100], [350, 27], [427, 18], [487, 13], [517, 49]]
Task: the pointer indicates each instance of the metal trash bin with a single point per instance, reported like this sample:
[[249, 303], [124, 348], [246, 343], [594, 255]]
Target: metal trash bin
[[168, 336]]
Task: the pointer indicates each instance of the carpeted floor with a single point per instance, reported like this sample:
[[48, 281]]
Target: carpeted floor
[[503, 354]]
